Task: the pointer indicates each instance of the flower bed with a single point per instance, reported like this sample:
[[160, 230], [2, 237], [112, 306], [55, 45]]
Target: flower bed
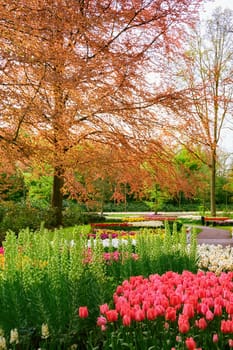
[[215, 258], [172, 311], [103, 234], [110, 224], [54, 289], [150, 218], [43, 283]]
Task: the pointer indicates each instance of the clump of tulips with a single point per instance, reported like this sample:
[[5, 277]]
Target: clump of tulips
[[170, 311]]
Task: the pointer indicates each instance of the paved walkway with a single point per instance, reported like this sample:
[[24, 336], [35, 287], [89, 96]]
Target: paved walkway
[[211, 235]]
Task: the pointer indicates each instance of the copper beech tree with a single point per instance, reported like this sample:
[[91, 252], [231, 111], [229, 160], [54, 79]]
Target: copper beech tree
[[74, 72]]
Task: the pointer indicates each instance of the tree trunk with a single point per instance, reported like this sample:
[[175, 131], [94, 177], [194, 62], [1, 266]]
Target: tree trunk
[[57, 196], [213, 184]]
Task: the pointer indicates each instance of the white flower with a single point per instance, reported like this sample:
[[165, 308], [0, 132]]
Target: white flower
[[215, 258], [2, 343], [14, 336], [74, 347], [114, 242]]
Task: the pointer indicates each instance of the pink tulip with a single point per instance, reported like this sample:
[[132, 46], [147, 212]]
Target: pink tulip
[[101, 321], [126, 320], [217, 309], [188, 310], [209, 315], [139, 315], [104, 308]]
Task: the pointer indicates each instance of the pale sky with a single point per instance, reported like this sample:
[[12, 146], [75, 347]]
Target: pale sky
[[227, 134], [211, 5]]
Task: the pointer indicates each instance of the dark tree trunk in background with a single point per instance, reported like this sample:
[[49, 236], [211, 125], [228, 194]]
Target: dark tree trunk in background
[[57, 196]]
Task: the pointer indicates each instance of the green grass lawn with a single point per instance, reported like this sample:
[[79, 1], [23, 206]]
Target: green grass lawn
[[228, 228]]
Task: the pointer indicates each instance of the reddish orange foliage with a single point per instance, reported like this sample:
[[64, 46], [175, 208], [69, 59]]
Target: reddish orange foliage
[[74, 71]]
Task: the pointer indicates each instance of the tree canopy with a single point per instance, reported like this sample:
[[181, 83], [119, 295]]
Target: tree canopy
[[207, 74], [73, 78]]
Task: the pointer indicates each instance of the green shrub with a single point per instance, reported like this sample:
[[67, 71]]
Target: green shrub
[[20, 216], [74, 215]]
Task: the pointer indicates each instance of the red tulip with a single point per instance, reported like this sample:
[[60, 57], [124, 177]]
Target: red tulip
[[151, 314], [227, 326], [170, 314], [201, 323], [111, 315], [126, 320], [190, 343], [83, 312], [217, 309], [183, 324]]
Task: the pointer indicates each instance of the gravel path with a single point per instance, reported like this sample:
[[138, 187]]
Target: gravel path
[[211, 235]]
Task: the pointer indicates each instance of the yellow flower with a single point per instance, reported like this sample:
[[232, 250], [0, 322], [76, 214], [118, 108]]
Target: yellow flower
[[44, 331], [1, 261]]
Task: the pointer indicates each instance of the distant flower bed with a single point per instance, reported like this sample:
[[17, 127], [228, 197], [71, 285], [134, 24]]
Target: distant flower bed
[[109, 224], [133, 219], [103, 234], [149, 218]]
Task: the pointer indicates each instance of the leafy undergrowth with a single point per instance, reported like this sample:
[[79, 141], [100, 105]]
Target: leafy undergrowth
[[45, 278]]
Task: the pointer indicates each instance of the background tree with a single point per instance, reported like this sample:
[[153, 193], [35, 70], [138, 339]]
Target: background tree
[[196, 174], [208, 74]]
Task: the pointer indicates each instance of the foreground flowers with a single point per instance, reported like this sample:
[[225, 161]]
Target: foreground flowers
[[178, 307]]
